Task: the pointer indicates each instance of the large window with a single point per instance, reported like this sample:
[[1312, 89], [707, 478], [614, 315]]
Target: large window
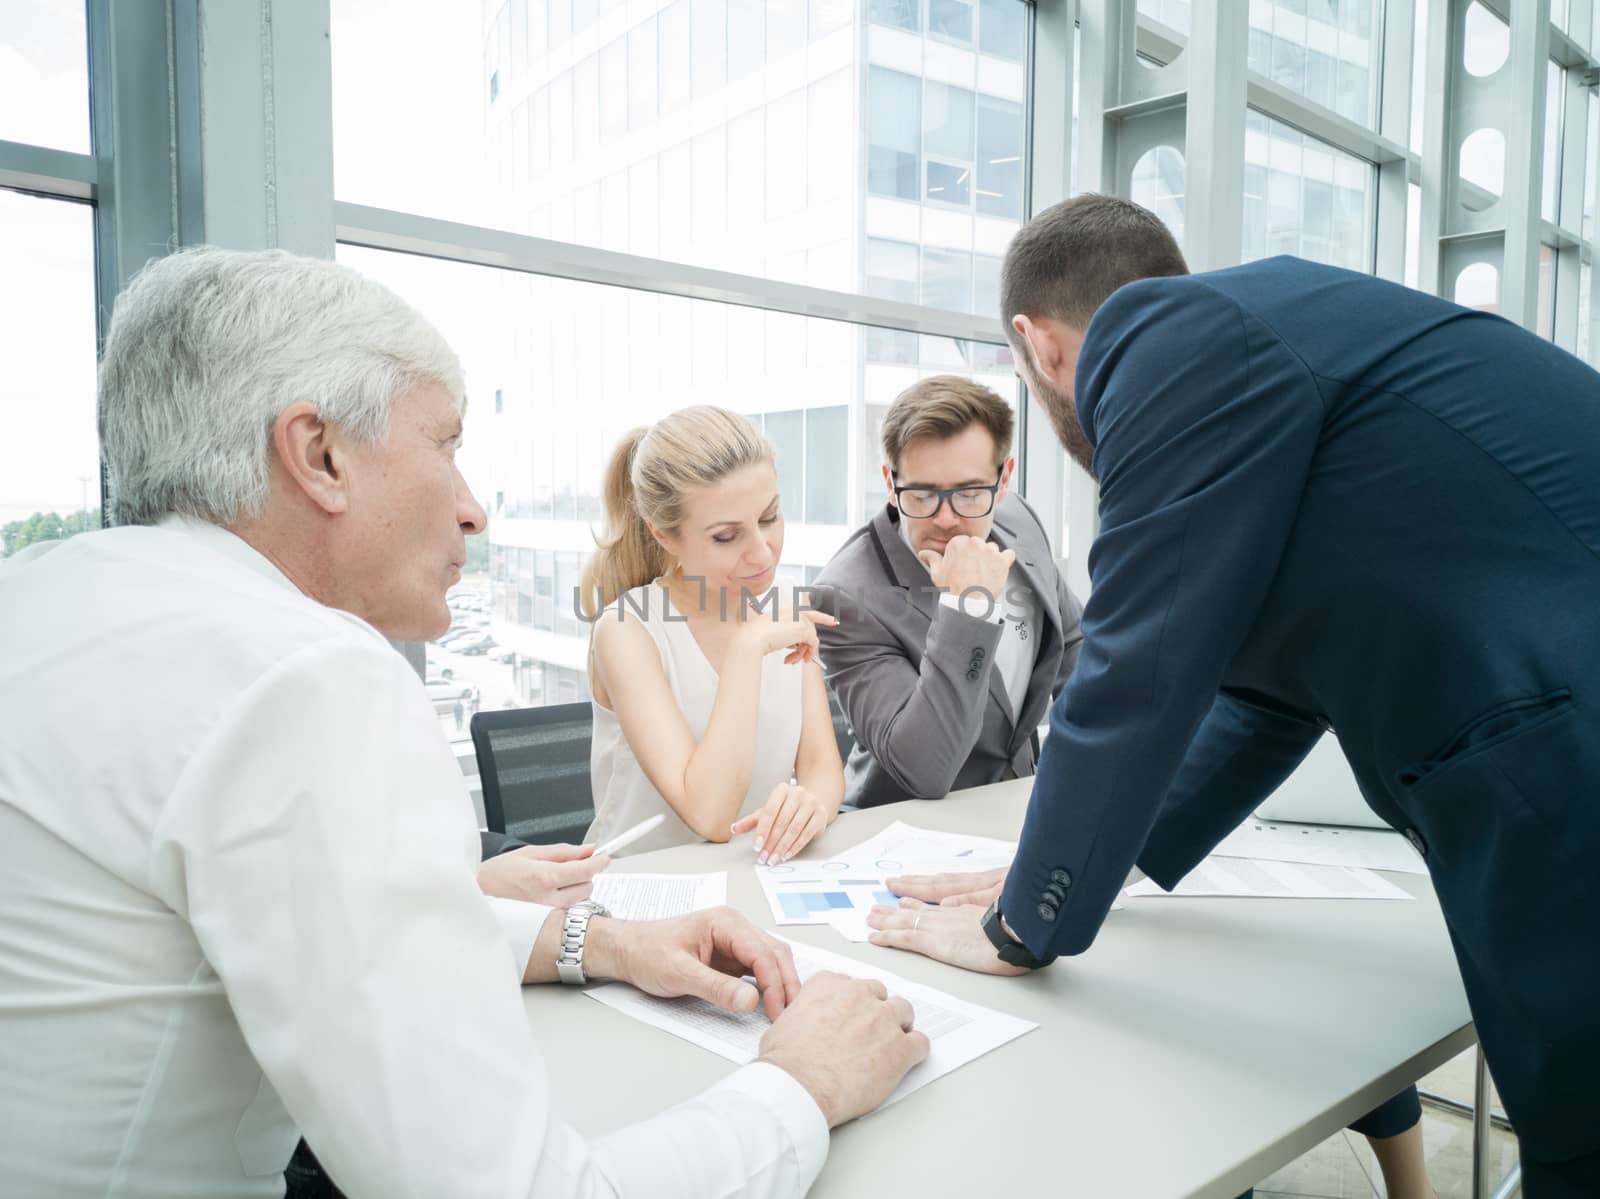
[[49, 455], [44, 74], [557, 371], [1326, 50], [1303, 197], [894, 121], [531, 127], [775, 138]]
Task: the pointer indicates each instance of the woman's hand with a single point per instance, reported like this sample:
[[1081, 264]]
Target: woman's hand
[[799, 635], [788, 822]]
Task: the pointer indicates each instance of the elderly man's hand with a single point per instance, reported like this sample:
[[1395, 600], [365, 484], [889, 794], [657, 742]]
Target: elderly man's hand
[[555, 875], [704, 954]]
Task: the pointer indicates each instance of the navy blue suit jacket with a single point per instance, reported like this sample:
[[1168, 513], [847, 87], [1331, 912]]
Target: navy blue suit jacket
[[1330, 502]]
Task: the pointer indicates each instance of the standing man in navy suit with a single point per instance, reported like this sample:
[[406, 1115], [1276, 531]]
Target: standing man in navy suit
[[1327, 503]]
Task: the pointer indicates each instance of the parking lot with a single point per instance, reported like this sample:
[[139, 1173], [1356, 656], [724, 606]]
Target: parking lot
[[465, 671]]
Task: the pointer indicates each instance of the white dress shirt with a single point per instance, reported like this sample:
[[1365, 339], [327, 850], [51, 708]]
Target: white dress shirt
[[238, 903]]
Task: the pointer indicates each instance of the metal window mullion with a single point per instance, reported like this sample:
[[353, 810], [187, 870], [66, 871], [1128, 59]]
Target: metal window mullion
[[1524, 173], [1340, 132], [131, 119], [407, 233], [130, 116], [254, 124], [1571, 166], [1394, 124], [1100, 26], [1214, 140], [1443, 72], [43, 171], [1044, 464], [1106, 39]]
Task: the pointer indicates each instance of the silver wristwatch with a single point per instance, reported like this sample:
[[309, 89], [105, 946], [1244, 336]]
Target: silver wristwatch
[[569, 961]]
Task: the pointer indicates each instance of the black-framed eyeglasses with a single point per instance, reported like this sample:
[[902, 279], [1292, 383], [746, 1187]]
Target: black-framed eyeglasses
[[920, 503]]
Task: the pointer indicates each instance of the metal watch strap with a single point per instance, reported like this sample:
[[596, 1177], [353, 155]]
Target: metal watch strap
[[1012, 952], [574, 929]]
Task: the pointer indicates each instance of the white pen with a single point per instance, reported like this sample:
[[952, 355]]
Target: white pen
[[623, 840]]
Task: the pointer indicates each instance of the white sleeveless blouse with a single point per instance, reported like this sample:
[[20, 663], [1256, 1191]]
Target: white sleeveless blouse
[[623, 793]]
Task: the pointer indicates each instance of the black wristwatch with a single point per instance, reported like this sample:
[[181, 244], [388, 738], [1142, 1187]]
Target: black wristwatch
[[1012, 951]]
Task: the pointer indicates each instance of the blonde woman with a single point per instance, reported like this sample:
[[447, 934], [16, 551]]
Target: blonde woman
[[706, 708]]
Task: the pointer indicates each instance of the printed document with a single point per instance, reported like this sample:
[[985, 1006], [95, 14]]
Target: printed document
[[848, 884], [658, 896], [1275, 880], [958, 1032], [1321, 845]]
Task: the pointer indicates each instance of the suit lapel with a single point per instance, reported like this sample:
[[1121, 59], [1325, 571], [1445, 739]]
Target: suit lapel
[[1047, 651], [901, 564], [908, 572]]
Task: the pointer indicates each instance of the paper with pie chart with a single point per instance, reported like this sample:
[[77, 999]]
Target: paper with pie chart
[[840, 889]]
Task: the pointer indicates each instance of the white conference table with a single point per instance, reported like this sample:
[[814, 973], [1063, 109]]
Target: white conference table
[[1198, 1046]]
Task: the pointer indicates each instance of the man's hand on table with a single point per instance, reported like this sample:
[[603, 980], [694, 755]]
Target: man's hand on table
[[554, 875], [952, 934], [847, 1041], [980, 887], [705, 954]]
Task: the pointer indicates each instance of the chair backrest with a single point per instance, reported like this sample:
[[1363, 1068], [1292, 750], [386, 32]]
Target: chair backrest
[[534, 767]]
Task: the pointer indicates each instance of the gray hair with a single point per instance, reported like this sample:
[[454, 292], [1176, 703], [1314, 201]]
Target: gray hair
[[208, 346]]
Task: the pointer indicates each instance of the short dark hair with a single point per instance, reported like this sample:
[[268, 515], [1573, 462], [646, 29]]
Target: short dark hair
[[942, 407], [1068, 260]]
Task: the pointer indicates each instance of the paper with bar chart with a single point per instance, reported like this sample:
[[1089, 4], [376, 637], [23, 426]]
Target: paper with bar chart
[[822, 890], [958, 1032]]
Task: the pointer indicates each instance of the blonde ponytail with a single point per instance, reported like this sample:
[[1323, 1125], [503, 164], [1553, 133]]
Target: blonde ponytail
[[649, 473], [626, 555]]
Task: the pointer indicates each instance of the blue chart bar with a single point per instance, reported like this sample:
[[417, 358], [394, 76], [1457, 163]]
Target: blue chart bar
[[799, 904], [888, 898]]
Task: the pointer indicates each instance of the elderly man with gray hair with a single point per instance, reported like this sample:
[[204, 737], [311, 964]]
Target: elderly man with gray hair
[[237, 860]]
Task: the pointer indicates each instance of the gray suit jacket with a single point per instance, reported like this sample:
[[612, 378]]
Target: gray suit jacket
[[916, 678]]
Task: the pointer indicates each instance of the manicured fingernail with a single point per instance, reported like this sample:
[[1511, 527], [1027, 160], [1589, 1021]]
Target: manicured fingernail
[[758, 844]]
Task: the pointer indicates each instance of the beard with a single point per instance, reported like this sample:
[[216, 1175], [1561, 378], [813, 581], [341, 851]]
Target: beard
[[1063, 413]]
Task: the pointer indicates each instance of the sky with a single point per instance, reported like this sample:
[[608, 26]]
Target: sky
[[47, 326], [407, 78]]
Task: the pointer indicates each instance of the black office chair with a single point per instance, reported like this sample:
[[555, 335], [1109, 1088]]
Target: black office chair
[[534, 767]]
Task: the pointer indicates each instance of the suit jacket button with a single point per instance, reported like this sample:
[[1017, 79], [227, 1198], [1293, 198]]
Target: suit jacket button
[[977, 652], [1047, 913], [1061, 877], [1417, 843], [972, 675], [1056, 892]]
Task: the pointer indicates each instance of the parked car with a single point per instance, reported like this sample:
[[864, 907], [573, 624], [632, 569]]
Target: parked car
[[473, 646]]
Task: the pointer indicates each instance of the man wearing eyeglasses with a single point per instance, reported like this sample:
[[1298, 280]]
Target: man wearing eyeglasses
[[955, 627]]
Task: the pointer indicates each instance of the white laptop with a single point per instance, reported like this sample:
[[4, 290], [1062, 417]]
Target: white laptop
[[1322, 790]]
